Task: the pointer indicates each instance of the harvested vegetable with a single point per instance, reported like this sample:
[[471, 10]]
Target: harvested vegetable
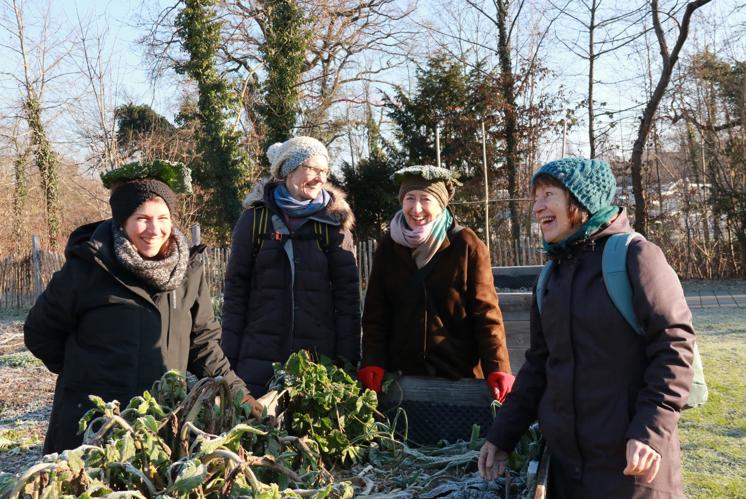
[[328, 441]]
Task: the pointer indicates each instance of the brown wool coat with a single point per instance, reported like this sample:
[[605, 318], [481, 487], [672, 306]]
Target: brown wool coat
[[593, 383], [460, 335]]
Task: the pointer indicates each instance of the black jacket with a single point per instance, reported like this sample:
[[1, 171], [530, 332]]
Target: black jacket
[[105, 333], [299, 294]]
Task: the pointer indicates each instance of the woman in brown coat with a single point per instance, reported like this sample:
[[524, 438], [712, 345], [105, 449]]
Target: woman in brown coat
[[607, 398], [430, 306]]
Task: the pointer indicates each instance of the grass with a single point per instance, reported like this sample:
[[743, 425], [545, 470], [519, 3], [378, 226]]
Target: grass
[[19, 359], [713, 437], [16, 439], [13, 315]]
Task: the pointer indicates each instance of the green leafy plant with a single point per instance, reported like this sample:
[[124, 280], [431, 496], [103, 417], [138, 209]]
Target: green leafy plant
[[328, 441], [329, 406], [174, 174]]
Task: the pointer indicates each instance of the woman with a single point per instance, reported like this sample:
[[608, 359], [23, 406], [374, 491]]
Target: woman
[[292, 280], [130, 303], [607, 399], [430, 306]]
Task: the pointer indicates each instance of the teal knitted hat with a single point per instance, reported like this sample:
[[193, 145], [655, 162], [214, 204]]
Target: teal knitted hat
[[591, 181]]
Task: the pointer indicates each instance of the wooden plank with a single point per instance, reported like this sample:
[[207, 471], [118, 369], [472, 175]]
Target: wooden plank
[[693, 301], [510, 302], [709, 300], [740, 300], [516, 315], [468, 392], [522, 276]]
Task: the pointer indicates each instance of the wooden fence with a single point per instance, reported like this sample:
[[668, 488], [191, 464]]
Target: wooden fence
[[24, 277]]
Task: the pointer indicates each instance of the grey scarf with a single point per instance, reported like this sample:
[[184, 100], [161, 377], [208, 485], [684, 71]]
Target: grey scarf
[[165, 274]]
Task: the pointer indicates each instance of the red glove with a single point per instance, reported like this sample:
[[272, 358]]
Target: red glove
[[371, 377], [501, 384]]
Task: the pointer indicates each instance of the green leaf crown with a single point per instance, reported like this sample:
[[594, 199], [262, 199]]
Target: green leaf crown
[[172, 173]]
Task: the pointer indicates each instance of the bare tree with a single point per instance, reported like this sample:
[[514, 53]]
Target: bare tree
[[669, 59], [36, 73], [93, 109], [602, 30], [352, 42]]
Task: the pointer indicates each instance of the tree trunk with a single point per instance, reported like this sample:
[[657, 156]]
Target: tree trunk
[[591, 64], [669, 61], [507, 83]]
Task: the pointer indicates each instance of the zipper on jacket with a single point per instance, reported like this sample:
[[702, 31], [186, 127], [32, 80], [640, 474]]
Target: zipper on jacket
[[171, 302], [424, 336]]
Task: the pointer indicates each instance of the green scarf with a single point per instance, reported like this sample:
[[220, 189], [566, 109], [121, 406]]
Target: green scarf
[[598, 220]]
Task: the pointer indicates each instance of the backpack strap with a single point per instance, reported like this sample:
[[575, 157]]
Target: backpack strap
[[616, 279], [258, 229], [259, 232], [321, 233], [541, 283]]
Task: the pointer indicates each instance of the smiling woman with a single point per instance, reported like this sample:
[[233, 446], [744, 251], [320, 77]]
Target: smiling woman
[[607, 398], [129, 304], [431, 307], [292, 280], [149, 228]]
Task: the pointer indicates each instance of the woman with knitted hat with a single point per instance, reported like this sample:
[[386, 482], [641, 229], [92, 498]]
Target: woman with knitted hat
[[430, 305], [607, 398], [130, 303], [292, 280]]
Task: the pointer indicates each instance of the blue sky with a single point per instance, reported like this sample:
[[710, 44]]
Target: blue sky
[[118, 21]]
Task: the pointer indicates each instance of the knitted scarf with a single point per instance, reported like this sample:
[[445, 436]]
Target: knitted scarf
[[424, 240], [165, 274], [295, 208], [597, 221]]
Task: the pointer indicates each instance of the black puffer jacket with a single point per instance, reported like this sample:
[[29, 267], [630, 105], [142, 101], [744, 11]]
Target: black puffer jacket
[[105, 333], [297, 295]]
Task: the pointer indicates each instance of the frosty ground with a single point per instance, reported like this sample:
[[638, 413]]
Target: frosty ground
[[713, 437]]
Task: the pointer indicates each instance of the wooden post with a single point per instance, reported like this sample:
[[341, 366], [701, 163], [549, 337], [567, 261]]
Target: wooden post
[[196, 235], [36, 264], [486, 193]]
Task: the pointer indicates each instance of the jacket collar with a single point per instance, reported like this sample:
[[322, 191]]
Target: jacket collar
[[94, 242], [405, 253], [338, 212]]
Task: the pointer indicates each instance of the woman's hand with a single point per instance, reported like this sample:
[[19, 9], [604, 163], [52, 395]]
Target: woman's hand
[[642, 460], [257, 409], [371, 377], [501, 384], [491, 461]]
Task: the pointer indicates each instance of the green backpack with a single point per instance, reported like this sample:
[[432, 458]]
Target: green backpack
[[614, 268]]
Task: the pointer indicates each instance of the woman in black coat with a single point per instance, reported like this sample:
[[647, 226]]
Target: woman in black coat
[[292, 280], [607, 397], [130, 303]]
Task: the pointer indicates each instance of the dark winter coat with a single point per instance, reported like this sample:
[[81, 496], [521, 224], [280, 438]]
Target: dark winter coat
[[448, 326], [104, 333], [593, 383], [301, 293]]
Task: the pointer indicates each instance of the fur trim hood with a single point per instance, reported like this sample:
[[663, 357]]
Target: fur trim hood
[[338, 208]]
